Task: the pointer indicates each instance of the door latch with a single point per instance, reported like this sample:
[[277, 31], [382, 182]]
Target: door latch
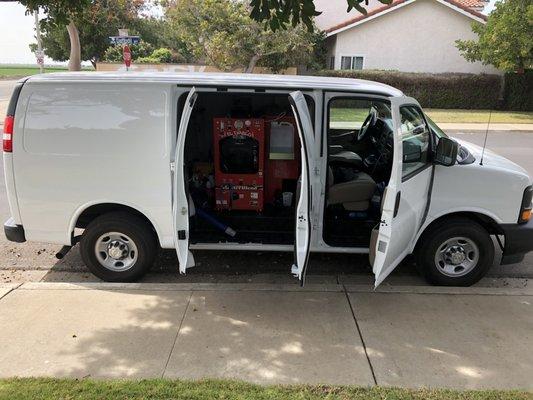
[[183, 210], [182, 235]]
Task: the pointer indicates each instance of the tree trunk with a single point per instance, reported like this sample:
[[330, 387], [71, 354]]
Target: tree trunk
[[251, 64], [74, 62]]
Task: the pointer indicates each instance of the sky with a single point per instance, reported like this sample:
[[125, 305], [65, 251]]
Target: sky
[[16, 33]]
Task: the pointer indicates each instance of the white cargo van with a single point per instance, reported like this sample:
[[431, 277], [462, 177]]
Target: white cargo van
[[127, 163]]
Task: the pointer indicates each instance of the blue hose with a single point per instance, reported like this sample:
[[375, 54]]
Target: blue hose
[[215, 222]]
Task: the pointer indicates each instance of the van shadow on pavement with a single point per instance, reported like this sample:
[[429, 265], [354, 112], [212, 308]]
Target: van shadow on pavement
[[233, 266]]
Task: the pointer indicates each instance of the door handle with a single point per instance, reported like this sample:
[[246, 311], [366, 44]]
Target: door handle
[[397, 204]]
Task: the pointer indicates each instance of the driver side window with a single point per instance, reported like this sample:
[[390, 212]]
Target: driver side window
[[415, 140]]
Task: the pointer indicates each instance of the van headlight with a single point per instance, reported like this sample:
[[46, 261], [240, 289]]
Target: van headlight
[[525, 209]]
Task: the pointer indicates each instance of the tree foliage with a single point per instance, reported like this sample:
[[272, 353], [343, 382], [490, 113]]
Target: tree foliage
[[506, 40], [59, 10], [279, 14], [96, 22], [222, 33]]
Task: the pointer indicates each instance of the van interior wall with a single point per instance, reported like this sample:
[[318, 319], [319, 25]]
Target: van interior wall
[[242, 185]]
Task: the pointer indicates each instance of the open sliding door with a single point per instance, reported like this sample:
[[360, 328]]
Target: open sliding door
[[303, 208], [180, 203]]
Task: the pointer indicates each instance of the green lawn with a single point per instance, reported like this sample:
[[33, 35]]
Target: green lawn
[[88, 389], [440, 116], [19, 71], [480, 116]]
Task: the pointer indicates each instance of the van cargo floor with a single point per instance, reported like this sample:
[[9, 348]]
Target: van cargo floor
[[275, 228]]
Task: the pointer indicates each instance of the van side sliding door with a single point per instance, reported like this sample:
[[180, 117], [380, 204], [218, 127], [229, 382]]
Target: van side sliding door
[[407, 196], [303, 208], [180, 202]]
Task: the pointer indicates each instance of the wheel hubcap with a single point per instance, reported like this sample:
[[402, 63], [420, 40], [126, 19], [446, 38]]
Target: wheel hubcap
[[116, 251], [457, 256]]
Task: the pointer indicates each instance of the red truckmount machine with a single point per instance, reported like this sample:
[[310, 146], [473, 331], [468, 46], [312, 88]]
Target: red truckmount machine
[[239, 146], [256, 160]]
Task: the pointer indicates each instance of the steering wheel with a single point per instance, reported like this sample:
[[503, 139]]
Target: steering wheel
[[369, 122]]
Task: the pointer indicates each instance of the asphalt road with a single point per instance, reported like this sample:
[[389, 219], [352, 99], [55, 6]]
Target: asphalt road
[[515, 145]]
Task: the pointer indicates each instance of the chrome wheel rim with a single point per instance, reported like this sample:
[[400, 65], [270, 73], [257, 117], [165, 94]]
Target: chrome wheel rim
[[457, 256], [116, 251]]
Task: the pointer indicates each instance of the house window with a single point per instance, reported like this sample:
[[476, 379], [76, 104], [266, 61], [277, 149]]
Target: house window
[[332, 63], [352, 62]]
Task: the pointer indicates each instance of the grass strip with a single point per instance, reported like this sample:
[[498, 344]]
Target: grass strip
[[88, 389]]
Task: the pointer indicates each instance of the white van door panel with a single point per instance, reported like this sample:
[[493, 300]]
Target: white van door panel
[[404, 205], [303, 208], [180, 203]]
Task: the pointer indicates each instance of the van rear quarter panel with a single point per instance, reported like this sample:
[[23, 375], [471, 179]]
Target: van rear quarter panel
[[85, 143]]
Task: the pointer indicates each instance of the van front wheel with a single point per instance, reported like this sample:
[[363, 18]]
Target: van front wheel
[[118, 247], [457, 253]]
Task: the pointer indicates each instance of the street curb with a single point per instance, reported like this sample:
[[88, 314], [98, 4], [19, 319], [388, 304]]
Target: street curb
[[443, 290], [239, 287], [252, 287]]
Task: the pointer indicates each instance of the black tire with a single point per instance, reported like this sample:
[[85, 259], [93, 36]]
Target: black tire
[[437, 236], [134, 228]]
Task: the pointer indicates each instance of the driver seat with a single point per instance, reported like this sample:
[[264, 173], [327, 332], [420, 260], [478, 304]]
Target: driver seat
[[348, 158], [354, 195]]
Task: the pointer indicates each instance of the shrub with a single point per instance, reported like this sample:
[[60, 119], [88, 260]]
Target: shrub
[[450, 90], [114, 53], [162, 56], [518, 92], [144, 53]]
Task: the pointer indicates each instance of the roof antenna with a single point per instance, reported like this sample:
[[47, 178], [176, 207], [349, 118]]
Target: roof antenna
[[485, 142]]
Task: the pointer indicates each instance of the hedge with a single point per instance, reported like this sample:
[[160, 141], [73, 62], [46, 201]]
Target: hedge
[[450, 90], [518, 92]]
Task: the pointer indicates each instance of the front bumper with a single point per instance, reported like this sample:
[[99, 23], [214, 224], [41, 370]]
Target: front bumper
[[518, 241], [14, 232]]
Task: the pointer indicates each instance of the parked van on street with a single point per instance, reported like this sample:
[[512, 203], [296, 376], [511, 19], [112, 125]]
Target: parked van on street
[[126, 163]]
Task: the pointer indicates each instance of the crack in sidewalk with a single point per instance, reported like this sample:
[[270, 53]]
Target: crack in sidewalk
[[10, 290], [361, 336], [177, 334]]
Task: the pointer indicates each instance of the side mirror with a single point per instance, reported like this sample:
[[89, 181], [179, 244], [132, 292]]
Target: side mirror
[[411, 152], [446, 153]]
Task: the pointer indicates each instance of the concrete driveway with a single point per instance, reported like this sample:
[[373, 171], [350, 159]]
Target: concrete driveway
[[332, 334]]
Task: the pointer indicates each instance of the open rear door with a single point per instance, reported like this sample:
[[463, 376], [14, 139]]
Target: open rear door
[[180, 202], [303, 207], [406, 197]]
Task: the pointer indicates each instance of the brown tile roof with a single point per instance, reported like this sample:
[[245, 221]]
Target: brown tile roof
[[464, 5]]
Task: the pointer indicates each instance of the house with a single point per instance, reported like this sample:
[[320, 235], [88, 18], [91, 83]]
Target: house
[[406, 35]]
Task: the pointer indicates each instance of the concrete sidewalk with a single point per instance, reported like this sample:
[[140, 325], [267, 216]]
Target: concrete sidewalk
[[409, 336]]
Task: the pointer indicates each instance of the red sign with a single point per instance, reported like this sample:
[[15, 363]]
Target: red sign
[[126, 55]]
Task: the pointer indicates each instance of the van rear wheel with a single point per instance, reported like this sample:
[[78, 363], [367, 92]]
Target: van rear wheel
[[457, 253], [118, 247]]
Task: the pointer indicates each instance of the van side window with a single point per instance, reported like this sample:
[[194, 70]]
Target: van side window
[[348, 113], [415, 140]]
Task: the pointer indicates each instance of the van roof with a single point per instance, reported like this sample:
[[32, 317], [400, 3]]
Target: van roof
[[225, 79]]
